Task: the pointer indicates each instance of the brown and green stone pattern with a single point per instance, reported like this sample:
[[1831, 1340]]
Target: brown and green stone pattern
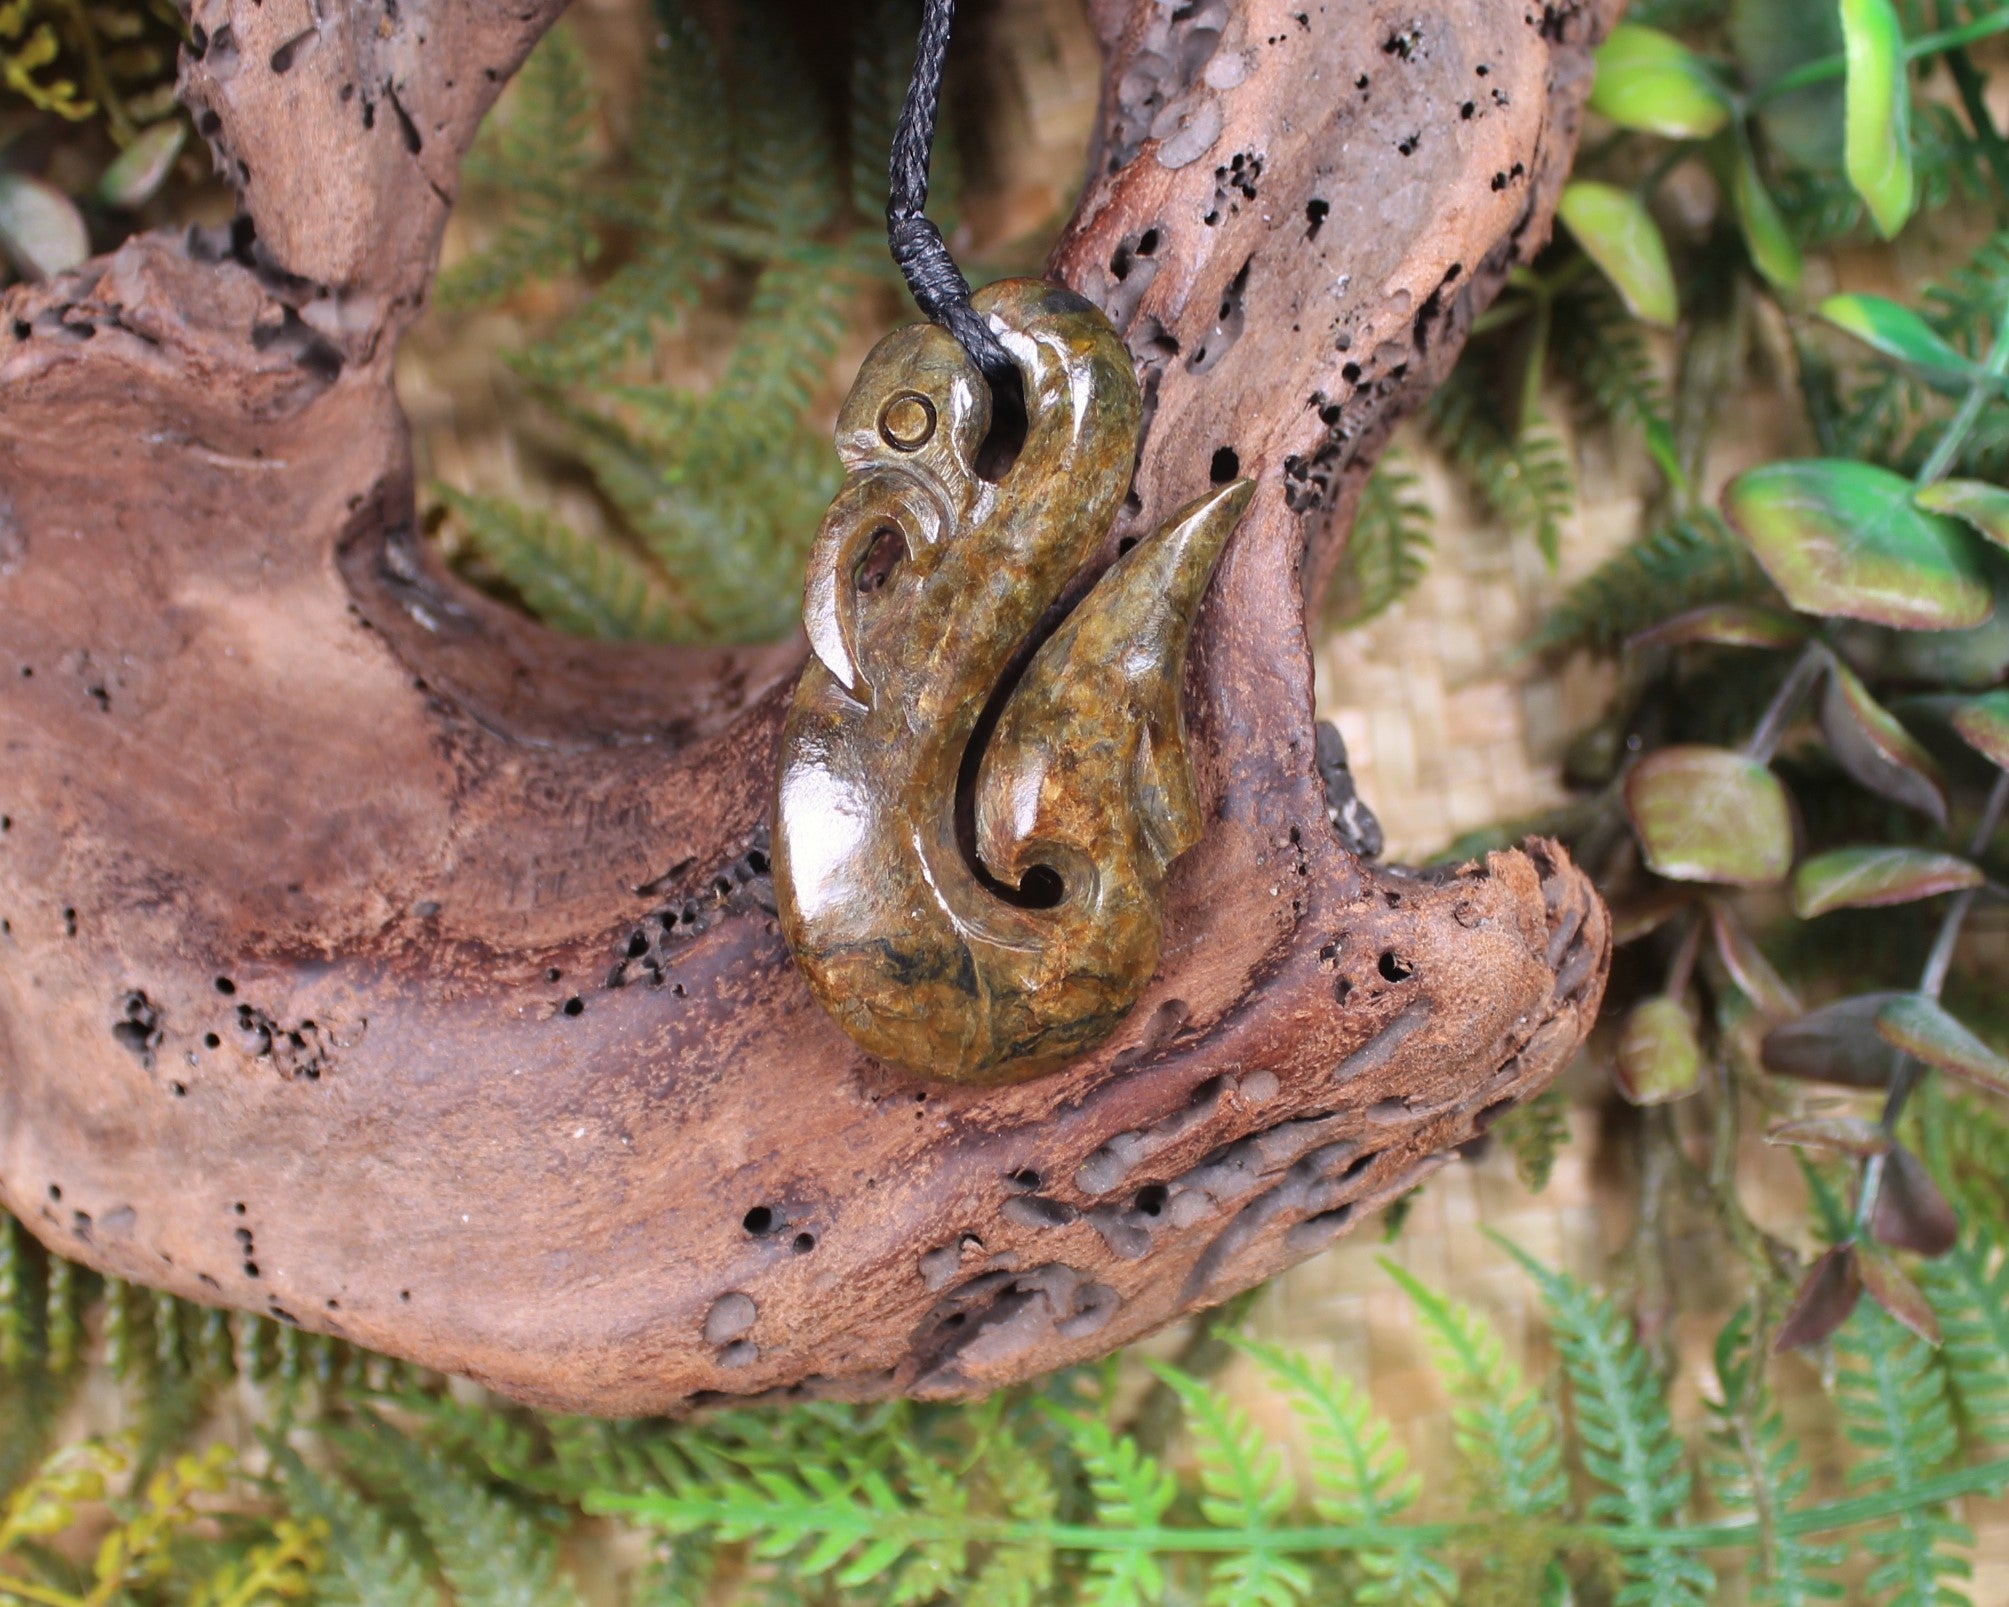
[[982, 909]]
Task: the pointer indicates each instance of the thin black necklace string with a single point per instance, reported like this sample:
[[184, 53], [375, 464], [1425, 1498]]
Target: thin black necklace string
[[938, 285]]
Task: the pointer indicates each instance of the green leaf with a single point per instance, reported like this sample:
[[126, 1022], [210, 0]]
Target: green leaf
[[1766, 237], [1725, 625], [1868, 878], [41, 230], [1983, 724], [1616, 232], [137, 173], [1649, 80], [1842, 537], [1710, 815], [1925, 1028], [1659, 1058], [1877, 152], [1983, 506], [1897, 331], [1878, 753]]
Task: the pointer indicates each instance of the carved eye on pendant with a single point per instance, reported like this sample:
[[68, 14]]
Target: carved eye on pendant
[[907, 422], [884, 552]]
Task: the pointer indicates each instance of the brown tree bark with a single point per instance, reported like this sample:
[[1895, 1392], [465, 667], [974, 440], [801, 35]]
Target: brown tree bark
[[379, 960]]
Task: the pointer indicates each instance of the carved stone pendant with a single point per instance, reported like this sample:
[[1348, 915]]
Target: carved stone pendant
[[970, 869]]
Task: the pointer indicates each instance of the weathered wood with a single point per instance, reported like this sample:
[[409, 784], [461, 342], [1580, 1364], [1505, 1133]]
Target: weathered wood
[[377, 959]]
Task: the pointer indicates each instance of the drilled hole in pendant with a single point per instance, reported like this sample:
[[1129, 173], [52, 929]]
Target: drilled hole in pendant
[[1000, 448], [1040, 888], [883, 554]]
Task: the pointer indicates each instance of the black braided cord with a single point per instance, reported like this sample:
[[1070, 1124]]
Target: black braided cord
[[938, 285]]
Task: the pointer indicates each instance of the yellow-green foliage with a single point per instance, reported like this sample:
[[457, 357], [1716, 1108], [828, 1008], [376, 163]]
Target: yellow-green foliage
[[29, 46]]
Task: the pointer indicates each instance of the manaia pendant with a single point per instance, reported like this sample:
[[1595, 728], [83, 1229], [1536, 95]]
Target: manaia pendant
[[971, 869]]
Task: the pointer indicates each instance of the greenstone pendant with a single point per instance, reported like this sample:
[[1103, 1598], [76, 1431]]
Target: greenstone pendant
[[986, 921]]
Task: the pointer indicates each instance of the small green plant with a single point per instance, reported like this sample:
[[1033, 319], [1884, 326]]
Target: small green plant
[[729, 186]]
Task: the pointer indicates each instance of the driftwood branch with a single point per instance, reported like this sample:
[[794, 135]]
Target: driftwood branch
[[379, 960]]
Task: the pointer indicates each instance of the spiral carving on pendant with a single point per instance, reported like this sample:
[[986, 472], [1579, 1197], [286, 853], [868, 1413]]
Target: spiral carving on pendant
[[970, 868]]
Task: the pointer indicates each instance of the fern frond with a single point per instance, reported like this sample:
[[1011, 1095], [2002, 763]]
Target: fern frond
[[1968, 1289], [784, 179], [369, 1560], [1525, 478], [1534, 1134], [1505, 1432], [1602, 349], [1016, 1573], [487, 1549], [591, 587], [1895, 1411], [1682, 565], [1244, 1486], [1360, 1476], [1132, 1491], [621, 317], [880, 68], [23, 1342], [1388, 549], [1756, 1469], [536, 153], [682, 140], [1627, 1435]]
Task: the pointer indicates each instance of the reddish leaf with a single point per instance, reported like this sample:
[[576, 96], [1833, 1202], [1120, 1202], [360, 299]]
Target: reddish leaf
[[1910, 1212], [1659, 1058], [1984, 726], [1710, 815], [1748, 967], [1646, 913], [1888, 1286], [1846, 1135], [1837, 1043], [1827, 1295], [1869, 878], [1725, 625], [1924, 1027], [1872, 747]]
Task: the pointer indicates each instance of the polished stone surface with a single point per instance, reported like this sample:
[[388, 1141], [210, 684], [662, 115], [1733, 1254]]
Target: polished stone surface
[[987, 927]]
